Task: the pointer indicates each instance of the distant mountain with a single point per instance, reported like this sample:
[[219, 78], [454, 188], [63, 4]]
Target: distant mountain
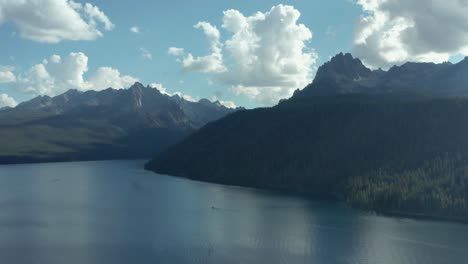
[[392, 141], [130, 123], [344, 74]]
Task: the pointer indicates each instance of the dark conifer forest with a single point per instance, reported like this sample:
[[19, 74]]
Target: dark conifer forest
[[404, 154]]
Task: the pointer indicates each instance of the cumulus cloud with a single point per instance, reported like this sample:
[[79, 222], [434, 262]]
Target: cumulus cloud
[[212, 62], [6, 74], [268, 52], [135, 29], [395, 31], [175, 51], [106, 77], [163, 90], [56, 75], [145, 54], [6, 100], [52, 21]]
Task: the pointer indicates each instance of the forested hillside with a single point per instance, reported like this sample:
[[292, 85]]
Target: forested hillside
[[364, 149], [391, 141]]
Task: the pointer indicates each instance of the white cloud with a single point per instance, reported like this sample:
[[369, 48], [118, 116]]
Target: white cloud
[[106, 77], [228, 104], [210, 63], [6, 100], [163, 90], [135, 29], [93, 13], [395, 31], [268, 52], [145, 54], [187, 97], [264, 95], [175, 51], [56, 75], [52, 21], [6, 74], [160, 88], [37, 81]]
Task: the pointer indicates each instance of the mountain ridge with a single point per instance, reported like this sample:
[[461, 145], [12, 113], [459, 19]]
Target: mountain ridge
[[105, 124], [344, 74]]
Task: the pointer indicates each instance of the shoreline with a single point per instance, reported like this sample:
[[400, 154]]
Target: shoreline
[[25, 161], [422, 216], [334, 198]]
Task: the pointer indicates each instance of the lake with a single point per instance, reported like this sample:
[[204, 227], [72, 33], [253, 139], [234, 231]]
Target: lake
[[115, 212]]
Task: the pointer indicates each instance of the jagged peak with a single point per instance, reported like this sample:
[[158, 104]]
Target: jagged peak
[[137, 85], [42, 96], [39, 98], [136, 92], [344, 74], [347, 58], [343, 66], [36, 101], [343, 56]]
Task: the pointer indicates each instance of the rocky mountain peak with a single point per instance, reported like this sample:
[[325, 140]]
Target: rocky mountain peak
[[343, 67], [344, 74], [137, 105], [137, 86]]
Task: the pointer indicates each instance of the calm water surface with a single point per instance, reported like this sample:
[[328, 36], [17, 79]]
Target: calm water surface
[[115, 212]]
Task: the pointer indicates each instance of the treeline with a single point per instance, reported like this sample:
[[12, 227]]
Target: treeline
[[378, 152]]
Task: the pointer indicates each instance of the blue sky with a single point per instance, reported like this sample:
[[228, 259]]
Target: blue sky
[[334, 24]]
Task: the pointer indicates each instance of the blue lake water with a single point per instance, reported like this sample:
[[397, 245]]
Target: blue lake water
[[115, 212]]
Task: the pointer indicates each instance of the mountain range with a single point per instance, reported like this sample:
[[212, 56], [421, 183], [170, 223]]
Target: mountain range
[[391, 141], [138, 122], [344, 74]]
